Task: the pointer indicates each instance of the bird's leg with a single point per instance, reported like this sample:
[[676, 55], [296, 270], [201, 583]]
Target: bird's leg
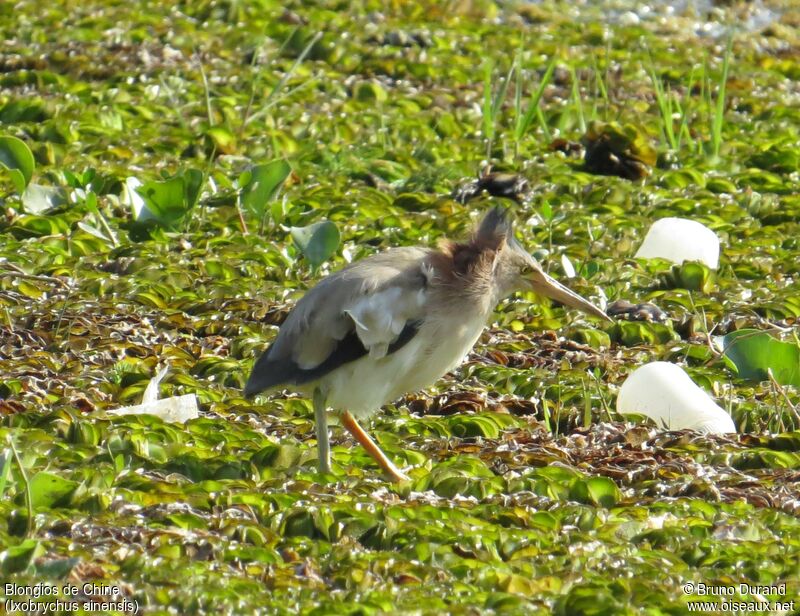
[[349, 422], [321, 425]]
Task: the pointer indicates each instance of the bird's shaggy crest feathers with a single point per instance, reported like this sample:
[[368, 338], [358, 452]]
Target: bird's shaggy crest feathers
[[480, 251]]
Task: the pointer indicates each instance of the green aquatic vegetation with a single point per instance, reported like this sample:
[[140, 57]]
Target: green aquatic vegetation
[[16, 158], [524, 120], [329, 132], [492, 102], [758, 356], [317, 242], [612, 149]]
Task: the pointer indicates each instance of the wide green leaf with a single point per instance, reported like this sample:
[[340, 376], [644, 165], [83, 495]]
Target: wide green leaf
[[37, 198], [262, 183], [18, 558], [751, 353], [603, 491], [49, 489], [18, 159], [317, 242], [167, 201]]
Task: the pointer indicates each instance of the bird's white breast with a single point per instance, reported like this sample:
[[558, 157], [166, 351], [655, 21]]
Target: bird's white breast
[[363, 386]]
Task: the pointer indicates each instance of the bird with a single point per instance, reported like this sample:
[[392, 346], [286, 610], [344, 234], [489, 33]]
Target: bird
[[394, 323]]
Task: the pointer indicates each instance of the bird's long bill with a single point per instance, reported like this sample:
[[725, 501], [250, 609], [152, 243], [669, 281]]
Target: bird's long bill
[[545, 285]]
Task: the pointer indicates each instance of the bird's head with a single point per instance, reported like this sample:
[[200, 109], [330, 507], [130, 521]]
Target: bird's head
[[516, 270]]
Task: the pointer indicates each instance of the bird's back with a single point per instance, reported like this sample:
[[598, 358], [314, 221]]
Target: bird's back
[[371, 307]]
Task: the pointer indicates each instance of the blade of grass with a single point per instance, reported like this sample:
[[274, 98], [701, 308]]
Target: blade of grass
[[27, 484], [587, 406], [206, 92], [500, 96], [533, 105], [607, 72], [577, 102], [492, 104], [664, 103], [273, 96], [718, 120], [601, 85], [705, 95], [91, 204], [517, 96], [545, 413], [174, 103], [251, 99], [5, 470], [548, 136], [486, 111], [683, 130]]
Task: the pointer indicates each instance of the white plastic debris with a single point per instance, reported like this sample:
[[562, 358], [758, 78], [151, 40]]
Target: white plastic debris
[[134, 200], [679, 240], [666, 394], [151, 391], [177, 409]]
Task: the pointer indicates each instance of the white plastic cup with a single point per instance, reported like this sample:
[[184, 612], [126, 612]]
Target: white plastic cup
[[666, 394], [679, 240]]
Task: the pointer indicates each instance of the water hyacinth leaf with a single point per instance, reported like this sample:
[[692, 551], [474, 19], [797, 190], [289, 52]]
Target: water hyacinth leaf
[[32, 225], [695, 277], [17, 158], [692, 275], [370, 92], [221, 140], [94, 231], [751, 353], [19, 557], [413, 202], [318, 242], [472, 426], [167, 201], [778, 159], [597, 490], [49, 489], [547, 211], [260, 184], [37, 198], [193, 183], [164, 199], [56, 567], [26, 109]]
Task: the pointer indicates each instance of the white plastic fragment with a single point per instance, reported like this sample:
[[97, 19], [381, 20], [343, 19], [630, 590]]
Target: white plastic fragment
[[151, 391], [666, 394], [566, 265], [177, 409], [679, 240], [133, 199]]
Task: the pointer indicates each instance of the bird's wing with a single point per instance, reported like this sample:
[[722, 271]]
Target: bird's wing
[[373, 307]]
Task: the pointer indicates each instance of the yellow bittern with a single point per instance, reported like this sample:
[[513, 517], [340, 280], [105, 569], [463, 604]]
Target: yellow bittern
[[394, 323]]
